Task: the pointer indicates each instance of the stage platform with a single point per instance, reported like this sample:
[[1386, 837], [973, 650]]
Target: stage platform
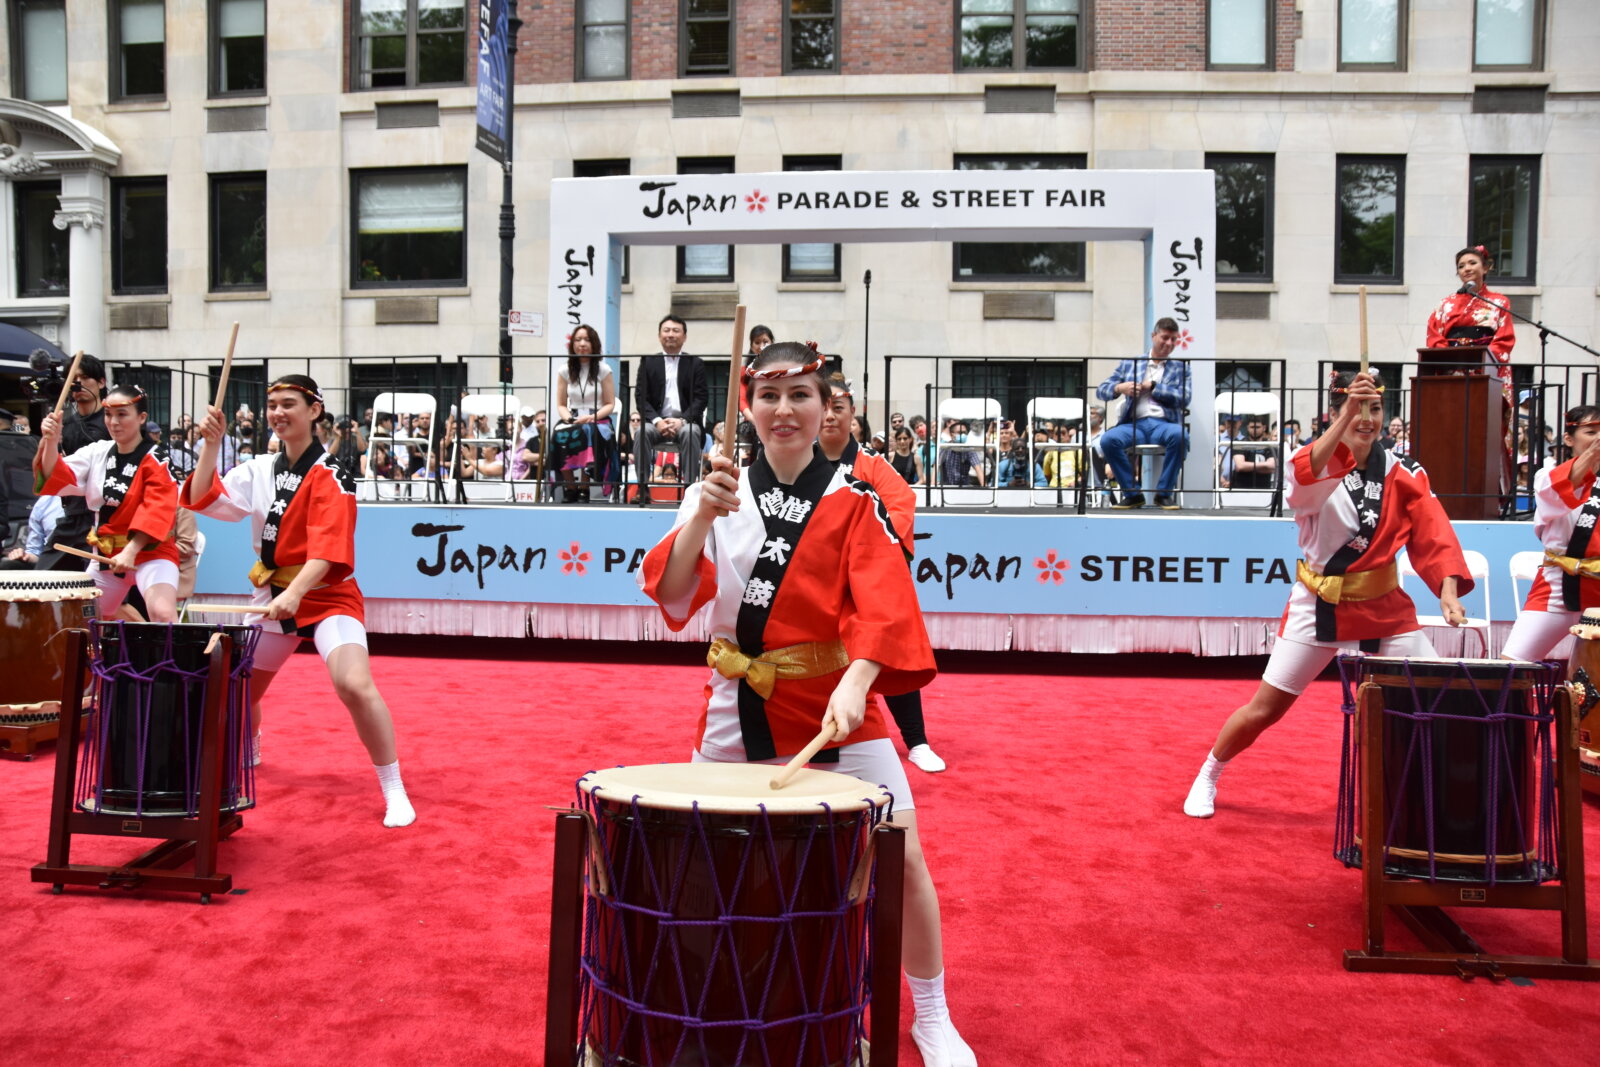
[[1209, 583]]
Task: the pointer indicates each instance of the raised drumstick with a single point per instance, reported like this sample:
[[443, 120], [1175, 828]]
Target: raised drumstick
[[730, 422], [81, 554], [1363, 306], [802, 757], [66, 390], [227, 365], [223, 609]]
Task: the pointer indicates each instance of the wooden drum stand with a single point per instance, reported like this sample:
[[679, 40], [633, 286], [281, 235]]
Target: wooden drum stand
[[183, 838], [1420, 904]]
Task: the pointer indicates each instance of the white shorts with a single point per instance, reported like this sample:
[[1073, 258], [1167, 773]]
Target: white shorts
[[1296, 664], [273, 650], [1538, 635], [114, 587], [872, 761]]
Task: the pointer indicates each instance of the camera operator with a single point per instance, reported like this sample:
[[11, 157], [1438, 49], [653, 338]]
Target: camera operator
[[84, 423]]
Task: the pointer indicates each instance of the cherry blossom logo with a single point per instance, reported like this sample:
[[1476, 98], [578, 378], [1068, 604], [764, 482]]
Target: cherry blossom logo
[[1185, 339], [756, 201], [573, 559], [1052, 568]]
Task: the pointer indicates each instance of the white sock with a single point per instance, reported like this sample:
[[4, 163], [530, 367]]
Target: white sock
[[255, 751], [934, 1033], [1212, 767], [1202, 800], [399, 810]]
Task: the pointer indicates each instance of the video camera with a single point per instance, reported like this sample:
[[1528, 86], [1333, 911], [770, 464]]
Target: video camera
[[47, 379]]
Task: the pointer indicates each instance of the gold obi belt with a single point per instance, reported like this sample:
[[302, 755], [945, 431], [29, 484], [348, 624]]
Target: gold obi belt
[[107, 544], [811, 660], [1578, 568], [279, 578], [1356, 585]]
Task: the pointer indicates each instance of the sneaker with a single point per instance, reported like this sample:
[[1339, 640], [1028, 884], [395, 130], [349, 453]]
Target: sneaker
[[926, 759], [1168, 503], [1202, 799], [1131, 500]]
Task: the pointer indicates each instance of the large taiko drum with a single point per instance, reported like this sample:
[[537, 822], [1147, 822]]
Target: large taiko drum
[[142, 752], [1584, 670], [34, 607], [726, 923], [1467, 768]]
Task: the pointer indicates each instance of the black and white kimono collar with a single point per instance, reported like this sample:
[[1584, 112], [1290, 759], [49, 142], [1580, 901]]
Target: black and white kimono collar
[[285, 483], [785, 511], [1365, 490], [121, 469]]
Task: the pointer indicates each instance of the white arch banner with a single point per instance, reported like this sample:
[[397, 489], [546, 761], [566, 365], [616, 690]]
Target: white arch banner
[[1172, 213]]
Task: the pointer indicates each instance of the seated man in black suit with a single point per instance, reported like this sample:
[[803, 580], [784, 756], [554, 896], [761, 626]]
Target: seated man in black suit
[[671, 399]]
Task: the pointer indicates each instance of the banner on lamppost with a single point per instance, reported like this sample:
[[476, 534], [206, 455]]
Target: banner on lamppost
[[494, 83]]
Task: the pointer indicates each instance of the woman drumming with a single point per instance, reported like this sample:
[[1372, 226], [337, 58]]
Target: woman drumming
[[302, 511], [1356, 506], [845, 452], [126, 483], [795, 558], [1565, 510], [1474, 315], [586, 394]]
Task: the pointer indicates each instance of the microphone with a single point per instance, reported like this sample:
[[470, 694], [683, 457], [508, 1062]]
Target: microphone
[[39, 361], [1468, 289]]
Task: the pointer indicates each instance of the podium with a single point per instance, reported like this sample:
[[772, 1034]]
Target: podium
[[1458, 429]]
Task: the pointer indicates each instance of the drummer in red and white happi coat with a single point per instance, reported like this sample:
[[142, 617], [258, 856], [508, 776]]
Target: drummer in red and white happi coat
[[302, 510], [1567, 507], [1475, 315], [813, 610], [1356, 506], [128, 485]]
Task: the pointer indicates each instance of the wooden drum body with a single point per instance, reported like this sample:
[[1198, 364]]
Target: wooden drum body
[[726, 923], [34, 607], [1584, 670]]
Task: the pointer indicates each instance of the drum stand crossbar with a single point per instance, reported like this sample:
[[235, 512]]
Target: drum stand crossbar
[[183, 838], [1419, 903]]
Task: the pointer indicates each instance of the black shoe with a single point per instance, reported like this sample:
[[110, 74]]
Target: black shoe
[[1128, 501], [1168, 503]]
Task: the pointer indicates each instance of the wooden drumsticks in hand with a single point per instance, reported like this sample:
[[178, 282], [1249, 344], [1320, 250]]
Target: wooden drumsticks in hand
[[803, 757]]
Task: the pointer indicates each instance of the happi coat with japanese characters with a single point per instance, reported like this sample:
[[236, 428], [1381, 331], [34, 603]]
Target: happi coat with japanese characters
[[1363, 518], [129, 492], [814, 562], [297, 513], [1565, 515]]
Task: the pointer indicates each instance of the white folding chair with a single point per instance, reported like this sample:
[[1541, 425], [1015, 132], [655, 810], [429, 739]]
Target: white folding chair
[[1478, 571], [977, 413], [1525, 567], [495, 407], [1057, 409], [401, 406], [1246, 403]]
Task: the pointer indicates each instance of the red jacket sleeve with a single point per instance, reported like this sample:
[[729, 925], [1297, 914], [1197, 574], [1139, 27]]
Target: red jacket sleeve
[[898, 497], [882, 620], [654, 569], [1434, 550], [156, 496], [1436, 327], [1571, 495]]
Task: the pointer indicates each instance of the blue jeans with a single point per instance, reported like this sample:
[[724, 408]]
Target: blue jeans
[[1115, 442]]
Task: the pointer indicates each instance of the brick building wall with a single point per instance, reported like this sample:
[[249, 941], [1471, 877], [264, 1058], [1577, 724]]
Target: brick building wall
[[759, 31], [1149, 35], [897, 36], [1287, 33]]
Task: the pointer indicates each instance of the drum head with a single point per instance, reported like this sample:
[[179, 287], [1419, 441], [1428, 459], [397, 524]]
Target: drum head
[[47, 585], [735, 788]]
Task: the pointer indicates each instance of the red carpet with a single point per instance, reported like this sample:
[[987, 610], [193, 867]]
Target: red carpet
[[1086, 919]]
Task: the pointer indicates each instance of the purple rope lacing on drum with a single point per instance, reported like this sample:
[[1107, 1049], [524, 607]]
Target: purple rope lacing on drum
[[238, 775], [621, 852], [1498, 758]]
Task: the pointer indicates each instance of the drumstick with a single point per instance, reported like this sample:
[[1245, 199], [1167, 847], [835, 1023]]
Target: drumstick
[[80, 553], [730, 422], [803, 757], [66, 390], [1363, 305], [224, 609], [227, 365]]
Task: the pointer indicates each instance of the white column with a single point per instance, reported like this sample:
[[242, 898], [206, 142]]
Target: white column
[[83, 216]]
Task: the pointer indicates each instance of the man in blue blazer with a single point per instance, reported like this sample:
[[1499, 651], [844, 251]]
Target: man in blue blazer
[[1157, 390]]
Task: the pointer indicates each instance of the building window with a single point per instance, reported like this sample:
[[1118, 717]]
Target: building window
[[1015, 382], [811, 37], [1239, 34], [42, 258], [1508, 35], [1244, 217], [410, 227], [603, 40], [139, 235], [39, 50], [606, 168], [138, 49], [705, 263], [1015, 34], [238, 231], [811, 262], [1372, 34], [1371, 223], [410, 42], [1503, 214], [707, 35], [1020, 260], [238, 47]]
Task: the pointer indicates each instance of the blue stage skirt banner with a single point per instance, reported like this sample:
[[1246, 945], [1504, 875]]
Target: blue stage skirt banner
[[993, 564]]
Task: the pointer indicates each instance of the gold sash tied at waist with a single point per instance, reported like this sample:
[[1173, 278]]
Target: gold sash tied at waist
[[107, 544], [280, 577], [1578, 568], [811, 660], [1356, 585]]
